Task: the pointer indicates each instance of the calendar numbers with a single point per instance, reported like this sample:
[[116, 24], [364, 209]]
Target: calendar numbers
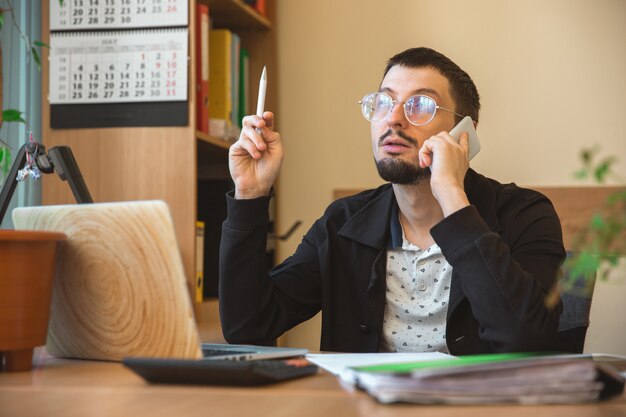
[[89, 64], [113, 67], [108, 14]]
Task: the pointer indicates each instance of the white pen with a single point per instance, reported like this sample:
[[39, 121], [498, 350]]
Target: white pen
[[260, 106]]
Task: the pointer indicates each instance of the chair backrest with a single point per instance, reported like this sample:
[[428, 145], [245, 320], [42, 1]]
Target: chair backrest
[[574, 320], [575, 207]]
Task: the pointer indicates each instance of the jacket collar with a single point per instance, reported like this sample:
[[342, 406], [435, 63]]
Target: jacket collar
[[366, 227], [370, 224]]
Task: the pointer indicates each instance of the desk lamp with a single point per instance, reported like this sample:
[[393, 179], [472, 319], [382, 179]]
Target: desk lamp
[[34, 159]]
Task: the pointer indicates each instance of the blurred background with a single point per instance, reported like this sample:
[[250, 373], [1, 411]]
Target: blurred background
[[552, 80]]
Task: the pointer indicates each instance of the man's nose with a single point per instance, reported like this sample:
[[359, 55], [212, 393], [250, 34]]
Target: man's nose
[[396, 116]]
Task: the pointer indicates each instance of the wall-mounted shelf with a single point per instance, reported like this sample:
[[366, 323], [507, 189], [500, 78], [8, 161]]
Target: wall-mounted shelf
[[212, 140], [235, 14]]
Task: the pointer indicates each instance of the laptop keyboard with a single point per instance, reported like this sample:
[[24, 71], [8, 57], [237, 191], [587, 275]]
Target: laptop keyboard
[[207, 353]]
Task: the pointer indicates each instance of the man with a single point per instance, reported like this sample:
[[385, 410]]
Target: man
[[441, 259]]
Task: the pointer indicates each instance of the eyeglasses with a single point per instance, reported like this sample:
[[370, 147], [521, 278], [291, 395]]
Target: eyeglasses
[[419, 109]]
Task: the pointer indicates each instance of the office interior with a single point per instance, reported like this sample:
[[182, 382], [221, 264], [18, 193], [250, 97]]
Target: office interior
[[551, 79]]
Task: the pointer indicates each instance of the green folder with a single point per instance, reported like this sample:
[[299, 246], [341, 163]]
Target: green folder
[[408, 367]]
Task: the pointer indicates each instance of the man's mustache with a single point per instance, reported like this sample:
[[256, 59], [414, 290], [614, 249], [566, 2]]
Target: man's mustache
[[399, 133]]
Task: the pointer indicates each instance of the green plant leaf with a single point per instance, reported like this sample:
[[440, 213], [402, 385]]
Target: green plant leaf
[[41, 44], [61, 3], [586, 155], [584, 264], [36, 58], [581, 174], [603, 239], [603, 169], [12, 115], [5, 160], [613, 259], [1, 18], [597, 222], [616, 197]]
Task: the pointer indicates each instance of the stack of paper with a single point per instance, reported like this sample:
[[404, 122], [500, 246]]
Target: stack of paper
[[480, 379], [343, 364]]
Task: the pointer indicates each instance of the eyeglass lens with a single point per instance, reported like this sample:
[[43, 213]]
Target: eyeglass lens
[[418, 109]]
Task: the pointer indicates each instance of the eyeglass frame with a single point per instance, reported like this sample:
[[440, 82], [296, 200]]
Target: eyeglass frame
[[394, 102]]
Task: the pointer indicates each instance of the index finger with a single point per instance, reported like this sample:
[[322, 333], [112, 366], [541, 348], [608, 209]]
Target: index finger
[[464, 142], [425, 154], [253, 121], [268, 117]]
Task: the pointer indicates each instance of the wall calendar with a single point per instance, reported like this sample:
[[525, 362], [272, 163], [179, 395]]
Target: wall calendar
[[118, 63], [118, 66], [107, 14]]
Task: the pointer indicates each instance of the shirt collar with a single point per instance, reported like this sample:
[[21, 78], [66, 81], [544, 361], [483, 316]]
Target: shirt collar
[[395, 229]]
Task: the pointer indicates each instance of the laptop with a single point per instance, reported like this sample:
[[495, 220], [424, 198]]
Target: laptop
[[120, 288]]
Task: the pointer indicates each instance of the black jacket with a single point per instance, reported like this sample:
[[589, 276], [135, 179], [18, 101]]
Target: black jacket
[[506, 250]]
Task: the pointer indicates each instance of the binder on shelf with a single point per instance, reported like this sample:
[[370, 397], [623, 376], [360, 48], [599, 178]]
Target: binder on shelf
[[234, 76], [199, 296], [260, 7], [244, 84], [202, 68], [220, 83]]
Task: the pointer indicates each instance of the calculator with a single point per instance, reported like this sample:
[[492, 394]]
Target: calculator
[[219, 372]]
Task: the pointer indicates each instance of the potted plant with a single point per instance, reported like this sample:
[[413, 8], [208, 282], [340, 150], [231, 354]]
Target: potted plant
[[597, 248]]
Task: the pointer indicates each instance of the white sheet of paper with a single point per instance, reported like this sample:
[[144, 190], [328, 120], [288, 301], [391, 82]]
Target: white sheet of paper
[[340, 363]]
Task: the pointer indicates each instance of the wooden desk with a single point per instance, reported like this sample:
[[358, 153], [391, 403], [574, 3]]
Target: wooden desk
[[58, 387]]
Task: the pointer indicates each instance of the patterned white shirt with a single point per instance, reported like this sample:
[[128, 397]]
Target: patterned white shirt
[[416, 301]]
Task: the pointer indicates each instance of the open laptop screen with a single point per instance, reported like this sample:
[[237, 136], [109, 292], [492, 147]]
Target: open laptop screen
[[120, 288]]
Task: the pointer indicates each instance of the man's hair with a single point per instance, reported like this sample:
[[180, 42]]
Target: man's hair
[[462, 88]]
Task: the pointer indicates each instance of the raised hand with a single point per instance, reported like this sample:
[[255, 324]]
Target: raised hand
[[255, 159]]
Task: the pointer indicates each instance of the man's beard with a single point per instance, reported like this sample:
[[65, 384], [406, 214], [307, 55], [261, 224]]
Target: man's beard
[[400, 172]]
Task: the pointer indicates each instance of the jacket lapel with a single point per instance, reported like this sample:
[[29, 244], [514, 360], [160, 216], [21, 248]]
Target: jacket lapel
[[370, 224]]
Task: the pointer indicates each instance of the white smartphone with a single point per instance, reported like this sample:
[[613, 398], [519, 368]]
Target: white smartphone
[[467, 125]]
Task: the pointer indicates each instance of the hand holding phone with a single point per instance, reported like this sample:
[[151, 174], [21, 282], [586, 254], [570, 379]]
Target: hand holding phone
[[467, 125], [448, 177]]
